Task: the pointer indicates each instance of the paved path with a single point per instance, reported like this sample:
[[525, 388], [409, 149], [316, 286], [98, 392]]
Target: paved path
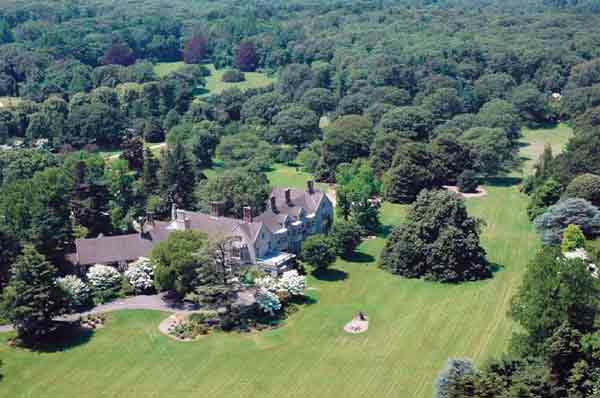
[[156, 302]]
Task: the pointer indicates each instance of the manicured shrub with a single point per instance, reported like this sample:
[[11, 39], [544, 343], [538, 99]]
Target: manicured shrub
[[318, 251], [268, 283], [104, 278], [268, 302], [467, 181], [140, 275], [454, 370], [77, 291], [293, 283], [585, 186], [555, 220], [233, 76], [205, 317], [573, 239]]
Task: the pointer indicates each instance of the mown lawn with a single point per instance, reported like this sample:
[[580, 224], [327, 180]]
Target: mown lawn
[[535, 141], [214, 85], [414, 327], [280, 175]]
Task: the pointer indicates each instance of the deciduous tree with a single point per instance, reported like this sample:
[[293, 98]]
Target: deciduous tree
[[195, 50], [178, 260], [246, 58], [438, 241]]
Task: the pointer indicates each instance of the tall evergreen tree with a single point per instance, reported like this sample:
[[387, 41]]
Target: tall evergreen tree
[[32, 298], [89, 201], [177, 178], [204, 148], [10, 248], [150, 172]]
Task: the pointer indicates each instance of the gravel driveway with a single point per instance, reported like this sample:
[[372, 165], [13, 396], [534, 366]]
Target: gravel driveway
[[157, 302]]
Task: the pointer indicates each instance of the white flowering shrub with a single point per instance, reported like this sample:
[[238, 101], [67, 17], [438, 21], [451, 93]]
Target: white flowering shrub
[[268, 301], [582, 255], [578, 253], [78, 291], [103, 277], [293, 283], [140, 275], [268, 283]]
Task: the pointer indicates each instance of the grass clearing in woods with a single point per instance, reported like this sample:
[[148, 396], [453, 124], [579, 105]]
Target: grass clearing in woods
[[214, 84]]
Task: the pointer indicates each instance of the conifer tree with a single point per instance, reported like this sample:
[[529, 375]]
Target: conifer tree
[[177, 178], [32, 298], [150, 172]]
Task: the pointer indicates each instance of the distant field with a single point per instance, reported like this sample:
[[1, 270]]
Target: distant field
[[9, 102], [280, 176], [214, 85], [414, 327], [537, 139]]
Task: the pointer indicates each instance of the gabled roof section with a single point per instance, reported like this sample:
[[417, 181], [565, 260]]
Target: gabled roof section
[[273, 221], [112, 249], [300, 199]]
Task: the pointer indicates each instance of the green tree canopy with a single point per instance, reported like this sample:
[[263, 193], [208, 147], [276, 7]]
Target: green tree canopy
[[179, 260], [319, 251], [347, 138], [32, 299], [438, 241], [235, 189], [540, 313]]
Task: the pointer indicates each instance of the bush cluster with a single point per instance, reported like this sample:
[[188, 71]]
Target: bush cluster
[[140, 275], [105, 281], [233, 76], [78, 292]]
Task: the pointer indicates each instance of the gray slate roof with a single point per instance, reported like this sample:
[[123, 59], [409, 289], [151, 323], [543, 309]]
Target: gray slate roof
[[111, 249], [301, 201]]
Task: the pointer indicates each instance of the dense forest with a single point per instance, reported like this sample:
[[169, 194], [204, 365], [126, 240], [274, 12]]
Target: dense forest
[[386, 98]]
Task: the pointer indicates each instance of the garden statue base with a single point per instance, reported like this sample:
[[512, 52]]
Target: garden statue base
[[359, 324]]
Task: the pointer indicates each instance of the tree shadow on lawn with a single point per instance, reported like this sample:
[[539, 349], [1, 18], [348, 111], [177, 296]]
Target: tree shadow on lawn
[[359, 257], [69, 335], [495, 268], [304, 300], [330, 275], [385, 231], [503, 181]]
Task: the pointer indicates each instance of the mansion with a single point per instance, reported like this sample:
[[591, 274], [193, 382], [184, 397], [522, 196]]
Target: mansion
[[272, 239]]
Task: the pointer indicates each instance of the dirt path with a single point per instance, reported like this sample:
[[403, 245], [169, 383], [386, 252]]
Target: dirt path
[[156, 302]]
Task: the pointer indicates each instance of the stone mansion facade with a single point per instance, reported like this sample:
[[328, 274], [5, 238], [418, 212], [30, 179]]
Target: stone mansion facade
[[271, 239]]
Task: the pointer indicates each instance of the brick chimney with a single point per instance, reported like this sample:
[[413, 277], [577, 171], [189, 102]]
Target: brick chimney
[[247, 214], [311, 186], [273, 203], [288, 196]]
